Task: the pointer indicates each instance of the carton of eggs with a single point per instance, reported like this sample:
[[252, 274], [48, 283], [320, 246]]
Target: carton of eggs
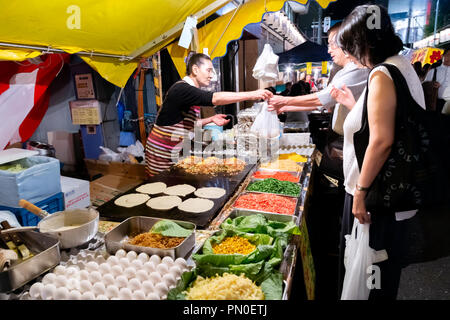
[[122, 276]]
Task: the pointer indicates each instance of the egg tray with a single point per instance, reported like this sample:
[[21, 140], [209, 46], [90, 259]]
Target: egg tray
[[96, 275], [118, 237]]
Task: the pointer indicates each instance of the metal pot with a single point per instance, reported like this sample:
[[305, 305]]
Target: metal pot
[[72, 227], [44, 149]]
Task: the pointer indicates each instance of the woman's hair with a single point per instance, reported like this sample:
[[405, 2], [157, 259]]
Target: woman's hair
[[368, 35], [195, 59], [297, 89]]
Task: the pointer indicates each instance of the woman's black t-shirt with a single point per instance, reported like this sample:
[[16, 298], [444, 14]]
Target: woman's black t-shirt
[[180, 98]]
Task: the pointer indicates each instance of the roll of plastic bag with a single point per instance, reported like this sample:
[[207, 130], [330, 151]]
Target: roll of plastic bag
[[266, 67]]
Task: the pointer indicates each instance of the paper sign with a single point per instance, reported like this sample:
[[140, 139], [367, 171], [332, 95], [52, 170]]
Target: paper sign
[[84, 86], [85, 112], [186, 34]]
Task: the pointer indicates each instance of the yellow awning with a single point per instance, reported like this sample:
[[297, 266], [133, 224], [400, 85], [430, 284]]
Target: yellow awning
[[251, 11], [427, 55], [112, 27]]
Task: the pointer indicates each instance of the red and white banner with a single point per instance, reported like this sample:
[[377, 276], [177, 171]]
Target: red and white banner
[[24, 96]]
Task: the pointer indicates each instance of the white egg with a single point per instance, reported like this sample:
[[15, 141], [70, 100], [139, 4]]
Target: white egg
[[112, 260], [83, 275], [149, 267], [142, 275], [137, 264], [143, 257], [155, 277], [112, 291], [155, 259], [116, 270], [98, 288], [161, 289], [168, 261], [175, 271], [134, 284], [100, 260], [104, 268], [49, 278], [138, 295], [60, 281], [60, 270], [129, 272], [61, 293], [125, 294], [147, 286], [73, 284], [92, 266], [121, 281], [169, 280], [101, 297], [85, 286], [131, 255], [121, 253], [48, 291], [35, 290], [95, 277], [87, 296], [108, 279], [74, 295], [153, 296], [124, 263], [71, 271], [162, 269], [181, 263]]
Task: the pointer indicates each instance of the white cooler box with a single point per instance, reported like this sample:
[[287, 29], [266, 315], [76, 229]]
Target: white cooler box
[[76, 193]]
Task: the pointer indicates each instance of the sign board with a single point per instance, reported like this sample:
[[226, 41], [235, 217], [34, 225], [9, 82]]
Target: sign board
[[84, 86], [326, 24], [85, 112]]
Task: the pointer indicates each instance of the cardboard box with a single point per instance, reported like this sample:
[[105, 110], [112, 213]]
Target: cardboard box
[[107, 187], [127, 170], [76, 193]]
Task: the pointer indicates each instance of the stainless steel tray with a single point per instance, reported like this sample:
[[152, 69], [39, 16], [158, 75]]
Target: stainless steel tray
[[270, 216], [295, 214], [46, 256], [118, 237], [297, 174]]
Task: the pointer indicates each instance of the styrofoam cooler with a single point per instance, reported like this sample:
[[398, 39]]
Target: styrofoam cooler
[[38, 182]]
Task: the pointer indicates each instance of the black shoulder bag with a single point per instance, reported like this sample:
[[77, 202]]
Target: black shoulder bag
[[416, 172]]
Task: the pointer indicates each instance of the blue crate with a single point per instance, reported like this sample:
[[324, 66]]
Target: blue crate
[[51, 205]]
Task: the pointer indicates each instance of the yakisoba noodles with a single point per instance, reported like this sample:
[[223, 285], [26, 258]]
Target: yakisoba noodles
[[225, 287]]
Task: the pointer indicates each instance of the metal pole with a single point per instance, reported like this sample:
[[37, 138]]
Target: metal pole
[[435, 21], [409, 22], [319, 27]]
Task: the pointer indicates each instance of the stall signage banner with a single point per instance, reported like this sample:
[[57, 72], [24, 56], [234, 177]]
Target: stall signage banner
[[324, 67], [308, 67]]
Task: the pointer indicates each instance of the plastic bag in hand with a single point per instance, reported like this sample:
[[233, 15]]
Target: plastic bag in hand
[[266, 124], [358, 257], [266, 67]]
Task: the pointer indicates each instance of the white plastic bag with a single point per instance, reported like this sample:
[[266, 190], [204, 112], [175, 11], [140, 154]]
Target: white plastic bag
[[266, 67], [358, 257], [266, 124]]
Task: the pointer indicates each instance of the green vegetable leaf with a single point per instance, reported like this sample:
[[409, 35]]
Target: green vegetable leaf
[[170, 229]]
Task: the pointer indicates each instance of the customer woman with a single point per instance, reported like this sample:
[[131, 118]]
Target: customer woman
[[368, 45], [181, 109]]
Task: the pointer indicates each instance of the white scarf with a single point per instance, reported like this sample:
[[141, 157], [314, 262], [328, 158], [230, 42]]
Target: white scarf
[[189, 80]]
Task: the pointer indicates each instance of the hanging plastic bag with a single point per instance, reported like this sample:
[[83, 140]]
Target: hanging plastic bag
[[266, 124], [358, 257], [266, 67]]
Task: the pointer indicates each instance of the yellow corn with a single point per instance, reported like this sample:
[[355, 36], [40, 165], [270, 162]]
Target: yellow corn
[[232, 245]]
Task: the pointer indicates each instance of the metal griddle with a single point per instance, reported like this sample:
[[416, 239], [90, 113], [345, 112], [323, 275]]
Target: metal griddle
[[173, 177]]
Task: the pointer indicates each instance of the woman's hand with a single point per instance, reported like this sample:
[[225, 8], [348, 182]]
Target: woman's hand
[[276, 102], [359, 207], [273, 108], [344, 96], [261, 94], [220, 120]]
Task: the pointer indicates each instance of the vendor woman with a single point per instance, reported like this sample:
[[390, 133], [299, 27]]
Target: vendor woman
[[181, 110]]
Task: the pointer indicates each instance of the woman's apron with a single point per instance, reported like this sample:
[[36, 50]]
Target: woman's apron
[[164, 143]]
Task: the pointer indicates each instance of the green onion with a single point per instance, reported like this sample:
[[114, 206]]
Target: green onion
[[272, 185]]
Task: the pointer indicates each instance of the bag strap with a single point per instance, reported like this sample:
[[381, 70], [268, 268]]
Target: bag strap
[[165, 96], [434, 75]]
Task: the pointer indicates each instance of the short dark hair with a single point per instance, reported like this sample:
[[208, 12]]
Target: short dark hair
[[334, 28], [195, 59], [368, 45]]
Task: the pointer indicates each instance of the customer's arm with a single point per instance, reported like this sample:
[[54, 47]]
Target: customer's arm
[[308, 100], [223, 98], [381, 106]]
